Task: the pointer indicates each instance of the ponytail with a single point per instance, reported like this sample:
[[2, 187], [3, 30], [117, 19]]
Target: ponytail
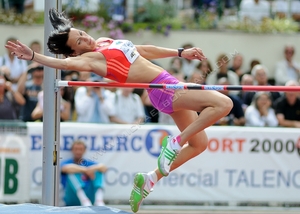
[[57, 41]]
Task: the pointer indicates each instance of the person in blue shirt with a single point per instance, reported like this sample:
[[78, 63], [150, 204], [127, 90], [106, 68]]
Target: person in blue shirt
[[82, 179]]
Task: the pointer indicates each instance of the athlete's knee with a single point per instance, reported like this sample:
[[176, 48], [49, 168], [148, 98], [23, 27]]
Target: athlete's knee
[[225, 105]]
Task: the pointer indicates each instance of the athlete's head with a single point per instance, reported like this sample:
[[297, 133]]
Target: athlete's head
[[65, 39]]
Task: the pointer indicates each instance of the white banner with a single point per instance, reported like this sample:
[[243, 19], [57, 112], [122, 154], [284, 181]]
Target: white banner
[[14, 173], [240, 163]]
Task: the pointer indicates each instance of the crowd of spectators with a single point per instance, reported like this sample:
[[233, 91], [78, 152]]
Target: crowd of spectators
[[21, 92]]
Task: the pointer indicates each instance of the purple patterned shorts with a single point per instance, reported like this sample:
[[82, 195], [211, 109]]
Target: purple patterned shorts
[[162, 99]]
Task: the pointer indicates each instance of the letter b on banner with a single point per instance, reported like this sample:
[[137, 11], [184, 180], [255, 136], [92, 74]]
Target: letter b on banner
[[14, 175], [10, 176]]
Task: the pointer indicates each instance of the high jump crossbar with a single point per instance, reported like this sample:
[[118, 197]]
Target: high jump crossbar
[[191, 86]]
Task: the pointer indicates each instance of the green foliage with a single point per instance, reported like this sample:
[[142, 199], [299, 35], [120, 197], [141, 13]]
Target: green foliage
[[207, 20], [103, 12], [174, 23], [10, 17], [152, 12], [275, 25]]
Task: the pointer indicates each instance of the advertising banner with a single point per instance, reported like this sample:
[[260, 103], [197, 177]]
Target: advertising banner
[[14, 167], [239, 164]]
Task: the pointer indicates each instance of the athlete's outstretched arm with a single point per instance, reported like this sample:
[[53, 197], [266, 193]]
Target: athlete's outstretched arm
[[81, 63], [155, 52]]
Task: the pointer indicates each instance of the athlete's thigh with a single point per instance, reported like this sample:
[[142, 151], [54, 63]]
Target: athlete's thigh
[[196, 100], [183, 118]]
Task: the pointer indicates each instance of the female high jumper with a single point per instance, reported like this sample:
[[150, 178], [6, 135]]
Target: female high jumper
[[124, 62]]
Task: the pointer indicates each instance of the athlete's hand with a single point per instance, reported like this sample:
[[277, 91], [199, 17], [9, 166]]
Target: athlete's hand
[[193, 53], [19, 50]]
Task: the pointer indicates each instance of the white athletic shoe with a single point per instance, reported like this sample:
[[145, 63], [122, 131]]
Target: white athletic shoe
[[167, 156]]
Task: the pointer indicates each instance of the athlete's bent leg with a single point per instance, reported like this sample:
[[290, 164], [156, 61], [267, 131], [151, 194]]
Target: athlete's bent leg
[[212, 106]]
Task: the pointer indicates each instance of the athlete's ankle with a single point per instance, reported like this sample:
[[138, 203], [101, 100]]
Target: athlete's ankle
[[175, 143]]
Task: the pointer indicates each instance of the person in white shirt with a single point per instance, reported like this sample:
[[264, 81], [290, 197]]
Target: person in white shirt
[[127, 107], [254, 10], [260, 113], [287, 69], [15, 66], [92, 104]]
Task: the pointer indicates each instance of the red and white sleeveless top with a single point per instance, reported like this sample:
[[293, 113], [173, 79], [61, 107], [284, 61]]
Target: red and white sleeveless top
[[119, 55]]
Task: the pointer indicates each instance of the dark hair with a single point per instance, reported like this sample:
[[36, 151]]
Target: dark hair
[[208, 65], [37, 68], [57, 41], [187, 45], [12, 39]]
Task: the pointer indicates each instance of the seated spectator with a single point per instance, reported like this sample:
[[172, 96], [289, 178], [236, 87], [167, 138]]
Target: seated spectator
[[260, 74], [92, 104], [236, 115], [247, 79], [222, 71], [287, 107], [197, 77], [127, 107], [237, 64], [176, 62], [254, 10], [65, 108], [287, 69], [82, 179], [9, 100], [205, 68], [30, 89], [260, 112]]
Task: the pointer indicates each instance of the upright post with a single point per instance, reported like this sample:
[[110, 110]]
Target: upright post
[[51, 119]]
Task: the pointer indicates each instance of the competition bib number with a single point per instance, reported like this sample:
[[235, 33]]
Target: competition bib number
[[127, 48]]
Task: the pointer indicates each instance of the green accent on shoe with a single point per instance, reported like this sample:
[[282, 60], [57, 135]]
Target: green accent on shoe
[[166, 153], [138, 192]]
